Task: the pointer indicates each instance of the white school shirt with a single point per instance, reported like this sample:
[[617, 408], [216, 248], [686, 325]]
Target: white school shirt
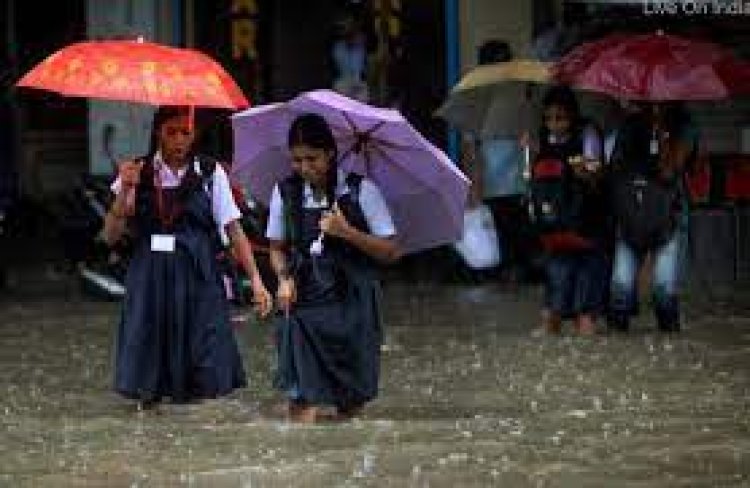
[[223, 208], [371, 201]]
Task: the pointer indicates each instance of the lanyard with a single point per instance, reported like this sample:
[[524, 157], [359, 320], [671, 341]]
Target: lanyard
[[167, 216]]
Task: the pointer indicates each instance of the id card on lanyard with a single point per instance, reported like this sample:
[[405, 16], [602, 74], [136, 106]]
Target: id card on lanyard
[[167, 216], [162, 243]]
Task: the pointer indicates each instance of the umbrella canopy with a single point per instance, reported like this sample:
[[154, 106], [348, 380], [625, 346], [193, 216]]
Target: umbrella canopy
[[424, 190], [654, 67], [136, 71], [497, 100]]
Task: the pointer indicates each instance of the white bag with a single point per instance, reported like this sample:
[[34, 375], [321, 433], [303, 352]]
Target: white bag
[[479, 245]]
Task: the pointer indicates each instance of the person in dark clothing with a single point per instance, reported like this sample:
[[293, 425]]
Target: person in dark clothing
[[566, 201], [495, 167], [175, 338], [654, 147], [327, 228]]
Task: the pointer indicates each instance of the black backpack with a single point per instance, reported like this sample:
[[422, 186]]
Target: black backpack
[[554, 203], [645, 209]]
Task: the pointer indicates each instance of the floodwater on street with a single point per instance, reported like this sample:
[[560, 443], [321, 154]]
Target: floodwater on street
[[469, 397]]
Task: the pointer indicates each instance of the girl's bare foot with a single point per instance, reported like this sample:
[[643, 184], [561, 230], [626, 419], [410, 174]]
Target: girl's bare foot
[[551, 322], [303, 413], [349, 412], [585, 325]]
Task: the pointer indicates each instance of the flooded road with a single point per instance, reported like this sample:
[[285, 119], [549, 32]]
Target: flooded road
[[470, 397]]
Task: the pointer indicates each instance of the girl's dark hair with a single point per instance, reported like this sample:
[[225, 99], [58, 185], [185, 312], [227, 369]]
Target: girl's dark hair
[[161, 116], [494, 51], [561, 96], [312, 130]]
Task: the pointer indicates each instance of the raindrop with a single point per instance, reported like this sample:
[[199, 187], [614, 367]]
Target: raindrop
[[368, 464], [597, 404], [579, 414]]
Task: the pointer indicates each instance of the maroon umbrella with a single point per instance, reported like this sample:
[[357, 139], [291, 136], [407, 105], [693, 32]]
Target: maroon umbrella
[[654, 67]]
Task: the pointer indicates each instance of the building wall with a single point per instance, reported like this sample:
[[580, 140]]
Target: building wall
[[482, 20], [120, 130]]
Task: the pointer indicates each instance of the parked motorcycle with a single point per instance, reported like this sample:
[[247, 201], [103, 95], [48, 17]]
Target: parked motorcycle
[[100, 268]]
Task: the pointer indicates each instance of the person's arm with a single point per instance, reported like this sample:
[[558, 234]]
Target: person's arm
[[276, 232], [472, 166], [675, 155], [243, 252], [588, 166], [116, 219], [227, 217], [287, 291]]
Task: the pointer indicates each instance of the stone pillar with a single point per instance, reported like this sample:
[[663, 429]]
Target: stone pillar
[[119, 130]]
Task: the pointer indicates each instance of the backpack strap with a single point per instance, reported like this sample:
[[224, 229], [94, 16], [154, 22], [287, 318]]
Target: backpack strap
[[206, 169], [291, 191], [354, 182]]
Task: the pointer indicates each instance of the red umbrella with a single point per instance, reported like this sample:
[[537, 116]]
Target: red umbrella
[[136, 71], [654, 67]]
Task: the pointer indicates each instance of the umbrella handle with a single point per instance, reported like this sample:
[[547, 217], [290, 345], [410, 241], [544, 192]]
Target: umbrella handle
[[527, 162]]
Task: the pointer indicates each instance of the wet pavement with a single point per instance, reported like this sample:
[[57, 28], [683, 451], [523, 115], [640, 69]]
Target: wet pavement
[[470, 397]]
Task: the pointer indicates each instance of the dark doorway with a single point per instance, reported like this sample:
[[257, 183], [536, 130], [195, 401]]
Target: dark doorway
[[50, 130]]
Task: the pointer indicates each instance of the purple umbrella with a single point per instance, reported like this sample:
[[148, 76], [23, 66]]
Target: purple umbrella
[[424, 190]]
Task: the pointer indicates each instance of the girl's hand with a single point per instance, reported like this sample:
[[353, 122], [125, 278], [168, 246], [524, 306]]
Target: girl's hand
[[261, 298], [334, 223], [286, 294], [526, 141], [130, 174]]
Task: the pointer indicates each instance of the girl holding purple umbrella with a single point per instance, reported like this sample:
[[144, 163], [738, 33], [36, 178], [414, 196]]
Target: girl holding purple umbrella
[[327, 230]]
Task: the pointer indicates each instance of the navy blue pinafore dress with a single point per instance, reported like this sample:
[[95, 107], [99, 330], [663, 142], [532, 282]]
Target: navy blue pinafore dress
[[329, 346], [175, 339]]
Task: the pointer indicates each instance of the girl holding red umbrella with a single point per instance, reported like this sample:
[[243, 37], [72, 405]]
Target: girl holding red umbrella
[[175, 339]]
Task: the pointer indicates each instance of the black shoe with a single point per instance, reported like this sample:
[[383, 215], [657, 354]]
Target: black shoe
[[147, 402], [618, 323], [669, 327], [668, 319]]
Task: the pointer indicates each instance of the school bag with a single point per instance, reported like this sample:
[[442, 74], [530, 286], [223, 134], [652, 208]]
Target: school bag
[[646, 209], [556, 204]]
